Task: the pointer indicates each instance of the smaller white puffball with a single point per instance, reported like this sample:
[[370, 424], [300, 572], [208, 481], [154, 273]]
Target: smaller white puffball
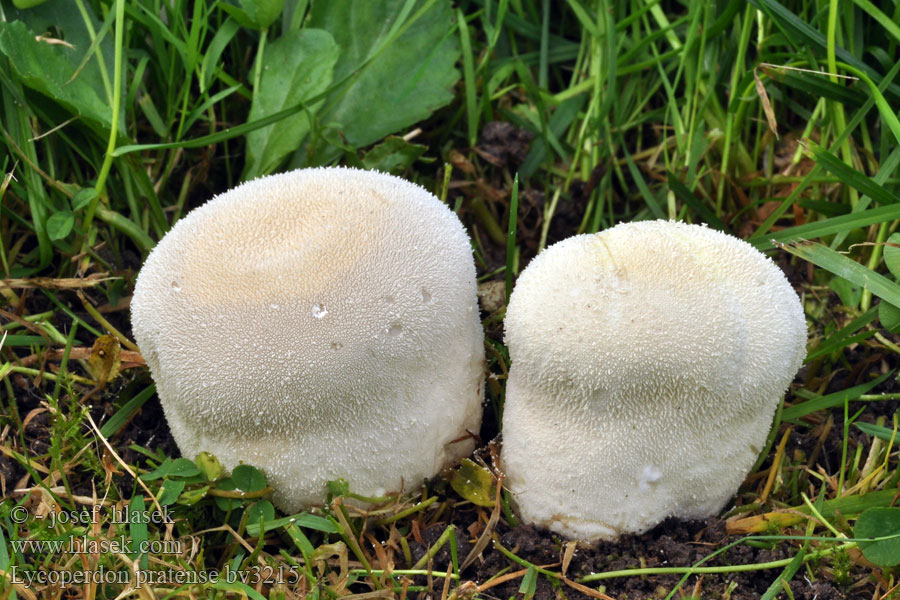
[[646, 365], [318, 324]]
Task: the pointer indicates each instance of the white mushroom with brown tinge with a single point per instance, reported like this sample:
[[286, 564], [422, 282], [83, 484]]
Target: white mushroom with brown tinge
[[647, 362], [318, 324]]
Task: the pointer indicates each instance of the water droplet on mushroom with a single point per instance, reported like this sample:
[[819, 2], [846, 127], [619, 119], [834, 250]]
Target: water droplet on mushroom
[[176, 287], [319, 311], [650, 474], [395, 329], [426, 296], [273, 306]]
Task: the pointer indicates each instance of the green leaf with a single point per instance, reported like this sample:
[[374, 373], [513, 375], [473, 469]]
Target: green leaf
[[338, 487], [889, 316], [27, 3], [892, 254], [255, 14], [300, 520], [248, 478], [209, 465], [393, 155], [82, 198], [191, 497], [171, 489], [406, 52], [244, 478], [179, 467], [137, 527], [260, 509], [849, 293], [60, 224], [296, 67], [474, 483], [56, 70], [880, 523]]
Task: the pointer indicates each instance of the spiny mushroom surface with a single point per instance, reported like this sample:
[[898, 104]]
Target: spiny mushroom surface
[[646, 365], [318, 324]]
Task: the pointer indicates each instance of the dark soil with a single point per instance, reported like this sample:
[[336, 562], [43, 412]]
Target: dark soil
[[672, 544]]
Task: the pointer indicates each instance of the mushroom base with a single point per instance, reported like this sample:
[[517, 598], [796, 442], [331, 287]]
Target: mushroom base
[[299, 467], [615, 482]]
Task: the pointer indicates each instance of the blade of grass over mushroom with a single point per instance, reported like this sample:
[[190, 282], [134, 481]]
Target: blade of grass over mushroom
[[817, 229], [842, 266], [817, 402]]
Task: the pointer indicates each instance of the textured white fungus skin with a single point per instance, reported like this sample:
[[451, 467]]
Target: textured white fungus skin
[[318, 324], [646, 365]]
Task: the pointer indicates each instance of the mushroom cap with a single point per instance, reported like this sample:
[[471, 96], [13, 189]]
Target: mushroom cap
[[646, 364], [318, 324]]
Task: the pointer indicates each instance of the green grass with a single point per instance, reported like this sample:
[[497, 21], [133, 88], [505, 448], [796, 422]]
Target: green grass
[[127, 114]]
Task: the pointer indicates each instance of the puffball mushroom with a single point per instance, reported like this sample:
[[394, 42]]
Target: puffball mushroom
[[646, 364], [317, 324]]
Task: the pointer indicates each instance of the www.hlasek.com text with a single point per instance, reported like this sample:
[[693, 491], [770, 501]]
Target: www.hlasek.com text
[[87, 545], [250, 576]]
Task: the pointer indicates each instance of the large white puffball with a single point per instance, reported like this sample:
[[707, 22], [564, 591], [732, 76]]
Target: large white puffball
[[318, 324], [646, 364]]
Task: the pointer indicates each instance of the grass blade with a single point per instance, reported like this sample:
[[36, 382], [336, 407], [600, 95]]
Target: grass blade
[[797, 411], [850, 270]]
